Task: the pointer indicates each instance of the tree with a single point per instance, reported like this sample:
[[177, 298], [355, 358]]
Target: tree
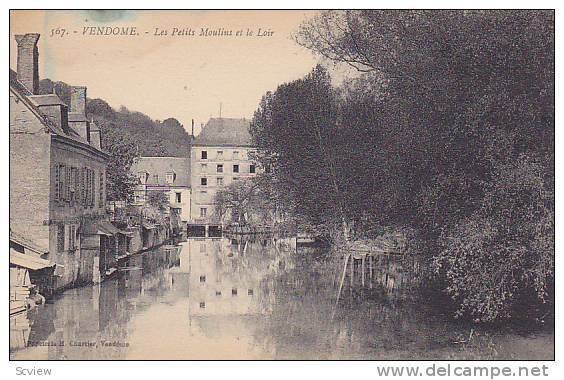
[[158, 200], [450, 109], [302, 147], [502, 256], [120, 181], [245, 202]]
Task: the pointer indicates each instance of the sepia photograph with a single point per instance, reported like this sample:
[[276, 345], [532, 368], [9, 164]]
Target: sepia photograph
[[362, 184]]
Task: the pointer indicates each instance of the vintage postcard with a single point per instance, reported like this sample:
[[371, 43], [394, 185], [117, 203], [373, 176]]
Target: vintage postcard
[[282, 185]]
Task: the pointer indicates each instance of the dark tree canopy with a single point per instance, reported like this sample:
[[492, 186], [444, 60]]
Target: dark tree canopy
[[447, 129]]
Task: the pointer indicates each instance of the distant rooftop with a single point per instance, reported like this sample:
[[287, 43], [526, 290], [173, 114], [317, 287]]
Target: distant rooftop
[[158, 167], [225, 132]]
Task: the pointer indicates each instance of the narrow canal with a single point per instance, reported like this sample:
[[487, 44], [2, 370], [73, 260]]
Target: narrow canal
[[222, 298]]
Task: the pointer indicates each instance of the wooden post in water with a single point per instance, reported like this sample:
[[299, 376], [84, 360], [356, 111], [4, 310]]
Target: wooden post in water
[[349, 256], [362, 268], [371, 270], [352, 271]]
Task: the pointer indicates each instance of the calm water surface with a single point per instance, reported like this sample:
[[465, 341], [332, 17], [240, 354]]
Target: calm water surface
[[220, 298]]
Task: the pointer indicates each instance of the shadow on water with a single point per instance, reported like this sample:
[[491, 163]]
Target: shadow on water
[[260, 298]]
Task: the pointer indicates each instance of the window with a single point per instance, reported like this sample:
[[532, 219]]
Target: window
[[62, 180], [60, 237], [155, 178], [92, 188], [220, 155], [250, 292], [203, 212], [203, 181], [252, 169], [204, 168], [86, 184], [202, 305], [89, 196], [82, 192], [219, 181], [68, 183], [220, 168], [178, 197], [204, 155], [235, 178], [101, 189], [170, 177], [73, 184], [235, 168], [72, 238], [57, 179], [202, 279], [234, 291], [235, 155], [218, 293]]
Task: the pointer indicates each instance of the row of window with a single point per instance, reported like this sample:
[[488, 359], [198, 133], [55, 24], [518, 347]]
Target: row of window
[[250, 292], [218, 181], [170, 177], [236, 155], [236, 168], [77, 186]]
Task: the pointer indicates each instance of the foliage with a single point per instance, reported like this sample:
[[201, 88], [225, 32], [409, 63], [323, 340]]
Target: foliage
[[304, 147], [244, 202], [505, 250], [120, 181], [447, 129], [158, 200]]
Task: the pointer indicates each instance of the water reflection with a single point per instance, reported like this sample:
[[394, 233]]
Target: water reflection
[[234, 298]]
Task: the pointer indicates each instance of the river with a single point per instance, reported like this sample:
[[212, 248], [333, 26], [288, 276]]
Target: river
[[233, 298]]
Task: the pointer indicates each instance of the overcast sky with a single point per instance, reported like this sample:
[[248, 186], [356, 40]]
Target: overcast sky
[[182, 77]]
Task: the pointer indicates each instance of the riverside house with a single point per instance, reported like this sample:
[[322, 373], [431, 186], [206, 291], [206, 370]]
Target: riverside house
[[57, 178], [169, 175]]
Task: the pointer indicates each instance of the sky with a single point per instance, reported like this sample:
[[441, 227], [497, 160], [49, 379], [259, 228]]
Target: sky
[[185, 77]]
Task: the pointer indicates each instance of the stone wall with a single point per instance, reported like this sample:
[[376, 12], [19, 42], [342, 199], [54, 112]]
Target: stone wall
[[29, 173]]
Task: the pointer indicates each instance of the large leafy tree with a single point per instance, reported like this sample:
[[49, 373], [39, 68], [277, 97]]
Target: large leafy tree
[[297, 132], [451, 120]]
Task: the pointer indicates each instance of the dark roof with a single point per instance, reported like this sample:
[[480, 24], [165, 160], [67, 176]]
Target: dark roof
[[101, 227], [16, 84], [47, 100], [160, 166], [28, 242], [225, 132]]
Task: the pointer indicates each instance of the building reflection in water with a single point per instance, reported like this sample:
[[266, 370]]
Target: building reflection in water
[[225, 277], [223, 298], [90, 322]]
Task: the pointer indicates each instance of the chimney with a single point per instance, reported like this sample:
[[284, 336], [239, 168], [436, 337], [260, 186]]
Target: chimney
[[95, 137], [28, 61], [77, 112], [78, 100]]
